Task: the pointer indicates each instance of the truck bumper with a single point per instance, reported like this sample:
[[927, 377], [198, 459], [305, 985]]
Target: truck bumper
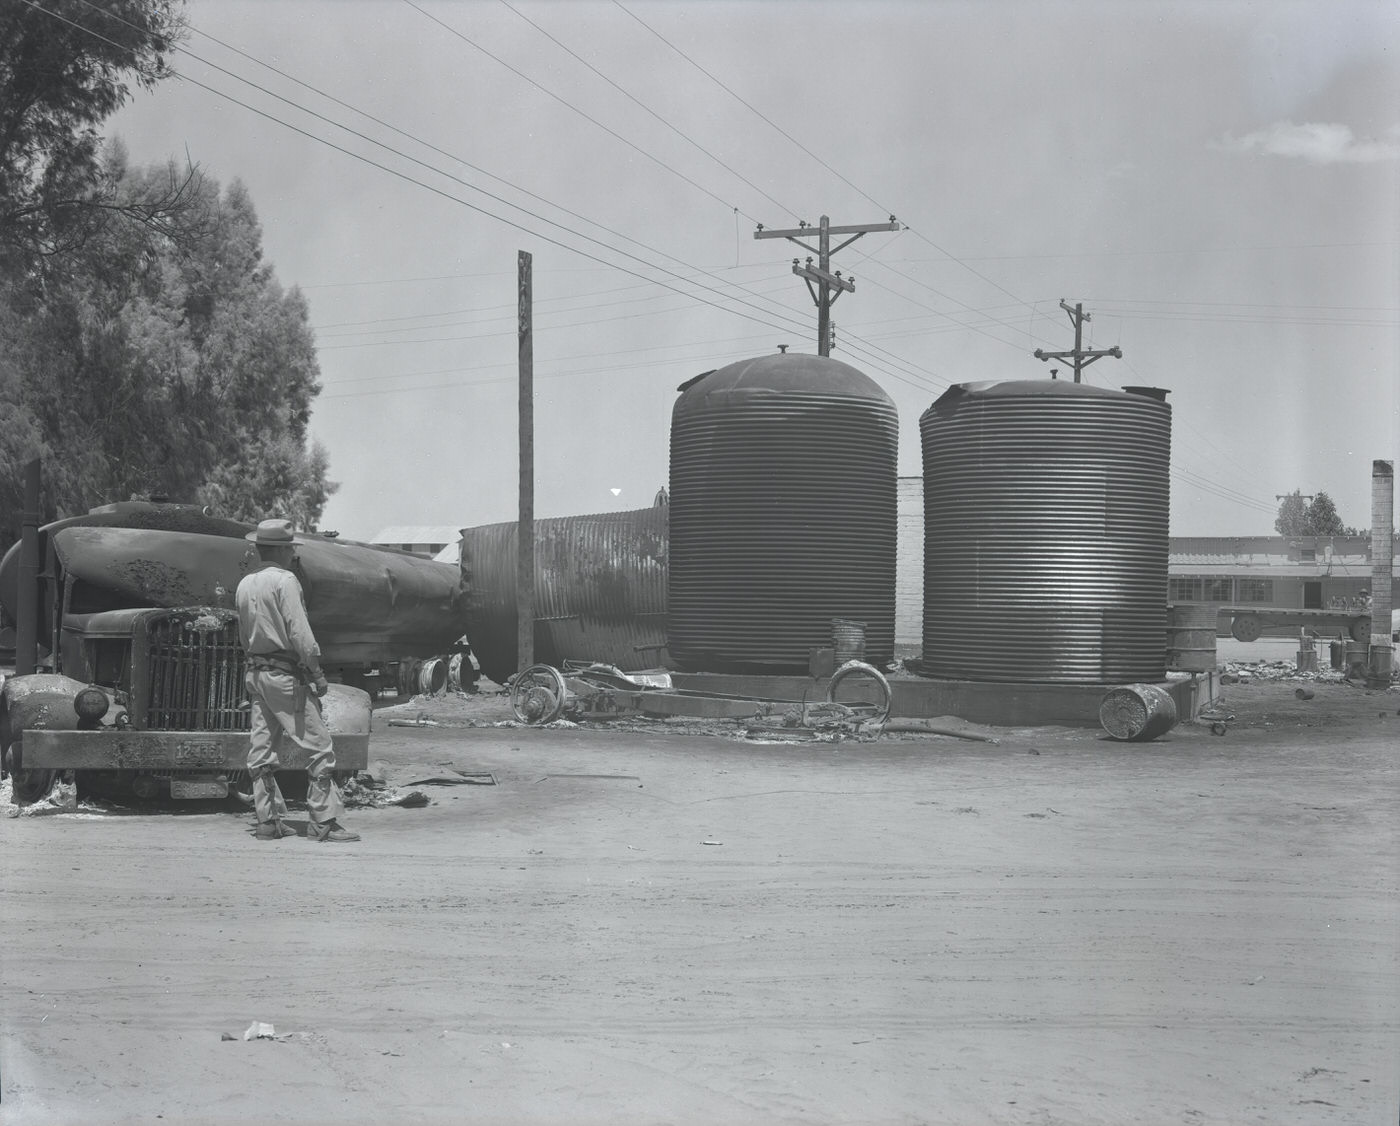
[[168, 750]]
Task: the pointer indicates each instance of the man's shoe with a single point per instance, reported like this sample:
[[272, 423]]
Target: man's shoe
[[330, 831], [273, 830]]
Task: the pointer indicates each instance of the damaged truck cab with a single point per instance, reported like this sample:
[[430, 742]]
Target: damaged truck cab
[[145, 700], [152, 701]]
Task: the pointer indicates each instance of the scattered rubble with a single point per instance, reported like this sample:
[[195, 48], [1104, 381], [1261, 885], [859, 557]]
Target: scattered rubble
[[1244, 672], [364, 792]]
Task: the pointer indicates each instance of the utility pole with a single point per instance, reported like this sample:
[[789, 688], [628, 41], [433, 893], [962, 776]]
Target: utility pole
[[525, 534], [1079, 356], [824, 286]]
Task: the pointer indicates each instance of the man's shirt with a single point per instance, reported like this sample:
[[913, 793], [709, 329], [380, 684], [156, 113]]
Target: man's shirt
[[272, 617]]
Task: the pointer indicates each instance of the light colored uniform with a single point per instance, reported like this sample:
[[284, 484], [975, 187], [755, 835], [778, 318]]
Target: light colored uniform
[[284, 662]]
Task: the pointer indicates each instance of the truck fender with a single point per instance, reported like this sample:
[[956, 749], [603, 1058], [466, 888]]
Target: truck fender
[[40, 700]]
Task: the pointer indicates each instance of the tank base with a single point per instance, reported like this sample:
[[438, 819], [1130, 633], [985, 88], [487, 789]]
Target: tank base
[[994, 703]]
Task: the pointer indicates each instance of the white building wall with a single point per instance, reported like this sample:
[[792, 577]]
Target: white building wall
[[909, 563]]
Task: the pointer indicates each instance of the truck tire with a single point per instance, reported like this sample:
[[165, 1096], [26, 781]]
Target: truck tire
[[28, 786], [1245, 627]]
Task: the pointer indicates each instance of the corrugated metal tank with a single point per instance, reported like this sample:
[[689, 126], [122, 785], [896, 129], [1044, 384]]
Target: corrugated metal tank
[[783, 479], [600, 591], [1045, 533]]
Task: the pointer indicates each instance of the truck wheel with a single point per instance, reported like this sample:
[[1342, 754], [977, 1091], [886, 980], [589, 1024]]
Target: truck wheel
[[1361, 631], [538, 695], [28, 785], [1245, 627]]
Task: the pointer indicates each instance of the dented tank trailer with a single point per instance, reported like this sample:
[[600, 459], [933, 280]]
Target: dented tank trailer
[[143, 682], [600, 590]]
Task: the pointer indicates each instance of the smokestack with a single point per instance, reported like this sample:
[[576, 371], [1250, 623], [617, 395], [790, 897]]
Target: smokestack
[[1382, 568], [27, 596]]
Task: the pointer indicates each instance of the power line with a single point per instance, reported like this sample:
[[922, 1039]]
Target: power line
[[1215, 488], [501, 309], [947, 297], [489, 335], [1174, 250], [919, 379], [457, 199], [753, 109], [447, 175], [1244, 319], [564, 102], [638, 102], [392, 128], [575, 356]]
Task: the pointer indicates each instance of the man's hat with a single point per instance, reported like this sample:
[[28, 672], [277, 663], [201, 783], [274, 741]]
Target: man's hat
[[273, 533]]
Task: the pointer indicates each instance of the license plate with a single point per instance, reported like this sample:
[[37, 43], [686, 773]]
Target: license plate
[[198, 788]]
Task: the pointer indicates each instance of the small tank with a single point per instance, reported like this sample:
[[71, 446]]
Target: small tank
[[783, 520], [1045, 533]]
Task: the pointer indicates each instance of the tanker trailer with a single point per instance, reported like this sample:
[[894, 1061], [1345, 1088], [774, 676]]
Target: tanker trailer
[[143, 684]]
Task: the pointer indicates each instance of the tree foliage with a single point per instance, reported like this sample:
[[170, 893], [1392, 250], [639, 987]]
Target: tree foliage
[[1315, 516], [146, 346], [65, 66]]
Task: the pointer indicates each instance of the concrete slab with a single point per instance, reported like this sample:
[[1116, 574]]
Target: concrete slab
[[997, 703]]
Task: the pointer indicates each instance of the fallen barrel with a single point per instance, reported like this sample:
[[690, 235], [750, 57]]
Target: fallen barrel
[[432, 676], [1137, 712]]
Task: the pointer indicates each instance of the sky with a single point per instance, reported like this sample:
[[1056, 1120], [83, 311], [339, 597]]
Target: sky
[[1218, 184]]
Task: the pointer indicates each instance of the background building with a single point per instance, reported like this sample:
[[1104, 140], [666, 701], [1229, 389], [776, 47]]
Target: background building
[[425, 539], [1289, 572]]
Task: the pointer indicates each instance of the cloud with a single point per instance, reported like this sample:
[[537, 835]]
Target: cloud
[[1314, 142]]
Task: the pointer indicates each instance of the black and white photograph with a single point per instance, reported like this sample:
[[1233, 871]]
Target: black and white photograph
[[697, 562]]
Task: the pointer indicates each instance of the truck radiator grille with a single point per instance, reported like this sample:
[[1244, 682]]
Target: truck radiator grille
[[195, 670]]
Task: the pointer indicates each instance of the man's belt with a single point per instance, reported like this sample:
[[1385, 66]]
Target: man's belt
[[261, 662]]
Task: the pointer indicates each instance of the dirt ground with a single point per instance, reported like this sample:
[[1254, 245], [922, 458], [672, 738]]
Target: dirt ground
[[643, 927]]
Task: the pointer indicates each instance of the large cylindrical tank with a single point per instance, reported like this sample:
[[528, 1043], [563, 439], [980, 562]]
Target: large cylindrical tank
[[783, 483], [1045, 533], [600, 591]]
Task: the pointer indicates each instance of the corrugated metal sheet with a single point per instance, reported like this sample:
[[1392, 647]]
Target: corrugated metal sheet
[[1045, 533], [600, 591], [783, 514]]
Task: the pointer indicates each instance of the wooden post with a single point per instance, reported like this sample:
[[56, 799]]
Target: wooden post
[[525, 563], [27, 596]]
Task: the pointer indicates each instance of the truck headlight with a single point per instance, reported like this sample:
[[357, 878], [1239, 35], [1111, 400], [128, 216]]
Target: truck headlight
[[90, 704]]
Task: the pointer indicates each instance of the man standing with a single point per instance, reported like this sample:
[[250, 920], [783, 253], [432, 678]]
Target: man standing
[[285, 686]]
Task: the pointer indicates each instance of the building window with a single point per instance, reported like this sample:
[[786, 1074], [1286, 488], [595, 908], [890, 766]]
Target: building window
[[1184, 590], [1308, 554], [1218, 590], [1256, 590]]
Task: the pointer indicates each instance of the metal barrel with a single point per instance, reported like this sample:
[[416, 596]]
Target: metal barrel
[[847, 640], [1137, 712], [1191, 633]]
